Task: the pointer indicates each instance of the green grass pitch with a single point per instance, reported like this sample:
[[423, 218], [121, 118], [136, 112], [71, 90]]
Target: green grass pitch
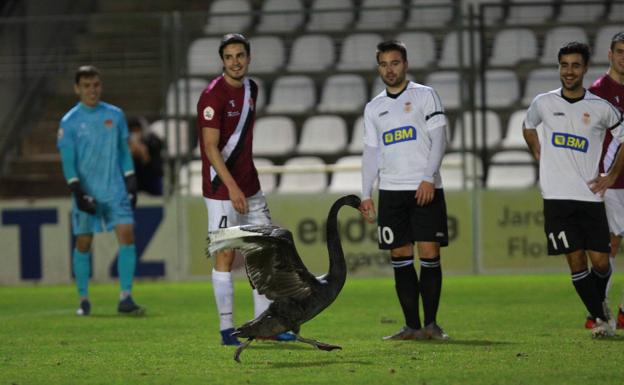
[[504, 329]]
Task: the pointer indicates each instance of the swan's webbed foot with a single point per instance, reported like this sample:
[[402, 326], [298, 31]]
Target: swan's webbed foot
[[239, 350], [318, 344]]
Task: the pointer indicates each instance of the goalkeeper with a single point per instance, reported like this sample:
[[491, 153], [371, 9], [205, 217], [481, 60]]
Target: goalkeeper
[[93, 142]]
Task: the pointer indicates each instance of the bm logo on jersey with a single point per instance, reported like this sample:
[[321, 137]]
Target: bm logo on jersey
[[399, 134], [573, 142]]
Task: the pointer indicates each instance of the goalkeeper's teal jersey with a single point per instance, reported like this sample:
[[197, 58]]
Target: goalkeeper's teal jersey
[[97, 136]]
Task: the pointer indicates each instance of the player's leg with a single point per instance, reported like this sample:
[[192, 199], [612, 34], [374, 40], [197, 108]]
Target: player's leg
[[394, 234], [221, 214], [614, 206], [82, 228], [126, 267]]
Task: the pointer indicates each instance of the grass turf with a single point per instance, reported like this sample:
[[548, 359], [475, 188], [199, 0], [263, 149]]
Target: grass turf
[[504, 330]]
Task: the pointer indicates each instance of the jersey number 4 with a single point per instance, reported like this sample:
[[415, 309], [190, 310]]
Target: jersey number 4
[[562, 237]]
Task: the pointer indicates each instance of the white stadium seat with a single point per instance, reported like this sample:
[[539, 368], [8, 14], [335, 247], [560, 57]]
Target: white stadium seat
[[330, 15], [502, 89], [513, 137], [166, 131], [268, 54], [511, 169], [539, 81], [421, 51], [343, 93], [323, 134], [203, 57], [427, 13], [531, 14], [274, 135], [268, 181], [280, 16], [345, 181], [358, 52], [228, 15], [374, 17], [189, 90], [455, 166], [492, 131], [311, 53], [556, 38], [446, 83], [512, 46], [303, 182], [450, 50], [292, 94], [580, 11], [603, 43], [356, 145]]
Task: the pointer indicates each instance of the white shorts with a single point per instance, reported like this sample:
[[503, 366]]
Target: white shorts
[[614, 204], [222, 214]]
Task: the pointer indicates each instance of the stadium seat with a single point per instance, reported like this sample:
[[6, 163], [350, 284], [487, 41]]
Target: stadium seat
[[513, 136], [512, 46], [343, 93], [616, 13], [228, 15], [166, 131], [268, 54], [345, 181], [450, 50], [311, 53], [330, 15], [358, 52], [555, 39], [261, 98], [280, 16], [203, 57], [268, 180], [292, 94], [453, 167], [539, 81], [421, 51], [446, 83], [501, 89], [379, 85], [274, 136], [492, 14], [492, 131], [594, 73], [191, 178], [374, 16], [189, 90], [323, 134], [429, 14], [305, 181], [529, 14], [511, 169], [356, 145], [580, 11], [603, 43]]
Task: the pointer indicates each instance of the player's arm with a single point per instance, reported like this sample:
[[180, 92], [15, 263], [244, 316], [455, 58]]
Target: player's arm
[[126, 163], [601, 183], [532, 140], [84, 201], [370, 167], [211, 148]]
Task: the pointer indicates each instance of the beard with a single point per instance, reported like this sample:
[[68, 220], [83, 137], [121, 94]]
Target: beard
[[574, 86], [393, 83]]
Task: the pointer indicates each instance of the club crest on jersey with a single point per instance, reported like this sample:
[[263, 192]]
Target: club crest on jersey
[[586, 118], [399, 134], [108, 123], [208, 113], [407, 107], [573, 142]]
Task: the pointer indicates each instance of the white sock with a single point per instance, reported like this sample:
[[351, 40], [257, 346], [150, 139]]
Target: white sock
[[261, 303], [612, 263], [224, 296]]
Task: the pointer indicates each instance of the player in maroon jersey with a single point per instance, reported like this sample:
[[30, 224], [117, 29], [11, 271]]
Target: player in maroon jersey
[[231, 189], [610, 87]]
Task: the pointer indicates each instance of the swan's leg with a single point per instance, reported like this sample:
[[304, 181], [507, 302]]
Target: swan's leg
[[317, 344], [240, 349]]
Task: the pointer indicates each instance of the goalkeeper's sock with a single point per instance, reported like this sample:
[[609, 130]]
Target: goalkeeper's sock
[[430, 287], [587, 289], [261, 303], [406, 285], [82, 269], [224, 296], [126, 264], [602, 281]]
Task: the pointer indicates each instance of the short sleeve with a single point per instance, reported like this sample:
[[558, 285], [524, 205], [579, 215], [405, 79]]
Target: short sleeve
[[434, 111], [370, 133], [209, 110], [533, 118]]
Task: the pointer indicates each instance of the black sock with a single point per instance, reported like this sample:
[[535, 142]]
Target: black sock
[[602, 279], [430, 287], [406, 285], [588, 291]]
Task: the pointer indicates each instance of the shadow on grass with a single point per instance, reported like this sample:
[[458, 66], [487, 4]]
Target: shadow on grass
[[319, 363], [469, 342]]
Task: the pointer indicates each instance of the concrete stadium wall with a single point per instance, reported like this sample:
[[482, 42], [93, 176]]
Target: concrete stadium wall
[[36, 241]]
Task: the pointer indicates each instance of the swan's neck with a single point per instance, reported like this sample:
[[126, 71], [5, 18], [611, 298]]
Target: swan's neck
[[337, 265]]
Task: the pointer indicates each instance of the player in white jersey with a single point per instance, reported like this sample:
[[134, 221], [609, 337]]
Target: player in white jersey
[[574, 122], [404, 142]]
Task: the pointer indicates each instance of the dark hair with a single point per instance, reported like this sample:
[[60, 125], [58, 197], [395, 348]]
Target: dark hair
[[575, 47], [232, 38], [617, 38], [87, 71], [392, 45]]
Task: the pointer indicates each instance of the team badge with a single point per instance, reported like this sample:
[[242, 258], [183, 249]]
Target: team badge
[[408, 107], [208, 113], [586, 119]]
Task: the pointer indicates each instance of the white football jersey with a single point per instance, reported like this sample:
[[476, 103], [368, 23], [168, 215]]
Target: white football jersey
[[400, 128], [571, 142]]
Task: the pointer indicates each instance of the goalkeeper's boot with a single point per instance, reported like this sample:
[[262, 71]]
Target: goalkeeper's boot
[[590, 322], [128, 307], [84, 308], [228, 339], [602, 329], [407, 333], [434, 331], [620, 318]]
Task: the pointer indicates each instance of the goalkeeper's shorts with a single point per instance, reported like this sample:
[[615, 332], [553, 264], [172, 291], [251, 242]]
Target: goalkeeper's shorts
[[108, 215]]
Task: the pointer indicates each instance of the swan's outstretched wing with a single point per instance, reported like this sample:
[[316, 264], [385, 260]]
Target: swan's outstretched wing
[[273, 265]]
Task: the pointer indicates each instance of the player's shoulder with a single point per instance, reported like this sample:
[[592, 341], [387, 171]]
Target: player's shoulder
[[547, 97], [111, 108], [71, 114]]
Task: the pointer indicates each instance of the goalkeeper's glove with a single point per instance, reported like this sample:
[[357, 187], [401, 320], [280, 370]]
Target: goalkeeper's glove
[[132, 188], [84, 201]]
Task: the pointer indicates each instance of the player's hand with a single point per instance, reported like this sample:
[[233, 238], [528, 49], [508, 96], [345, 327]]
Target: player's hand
[[132, 188], [600, 184], [424, 194], [238, 199], [367, 208], [85, 202]]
